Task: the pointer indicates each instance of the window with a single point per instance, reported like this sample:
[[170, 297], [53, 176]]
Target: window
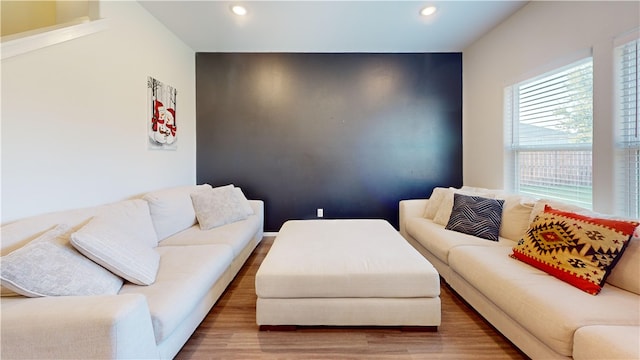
[[628, 132], [549, 134]]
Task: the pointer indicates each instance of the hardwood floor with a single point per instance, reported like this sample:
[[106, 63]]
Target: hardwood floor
[[230, 332]]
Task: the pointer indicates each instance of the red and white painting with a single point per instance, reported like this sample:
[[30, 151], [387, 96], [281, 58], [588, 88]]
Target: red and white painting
[[162, 127]]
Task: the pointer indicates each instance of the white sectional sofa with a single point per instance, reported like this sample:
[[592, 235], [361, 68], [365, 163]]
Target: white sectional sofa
[[543, 316], [194, 267]]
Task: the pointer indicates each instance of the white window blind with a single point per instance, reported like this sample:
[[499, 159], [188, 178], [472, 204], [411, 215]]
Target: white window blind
[[628, 131], [551, 132]]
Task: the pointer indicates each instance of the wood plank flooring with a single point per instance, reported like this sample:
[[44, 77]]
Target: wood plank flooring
[[230, 332]]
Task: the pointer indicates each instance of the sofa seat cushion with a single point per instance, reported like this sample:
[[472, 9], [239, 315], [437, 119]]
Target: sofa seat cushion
[[439, 241], [607, 342], [186, 274], [237, 235], [549, 308]]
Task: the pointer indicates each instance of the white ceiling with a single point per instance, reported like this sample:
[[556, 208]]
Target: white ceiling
[[330, 26]]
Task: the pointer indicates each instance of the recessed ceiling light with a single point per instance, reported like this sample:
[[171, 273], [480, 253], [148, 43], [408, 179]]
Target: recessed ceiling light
[[239, 10], [429, 10]]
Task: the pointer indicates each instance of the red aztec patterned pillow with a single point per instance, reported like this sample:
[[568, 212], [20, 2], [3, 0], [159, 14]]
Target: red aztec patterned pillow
[[577, 249]]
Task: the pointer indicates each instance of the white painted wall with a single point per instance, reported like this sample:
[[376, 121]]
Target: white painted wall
[[74, 116], [539, 37]]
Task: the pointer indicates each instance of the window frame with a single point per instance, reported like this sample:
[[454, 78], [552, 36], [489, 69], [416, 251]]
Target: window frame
[[627, 148], [513, 148]]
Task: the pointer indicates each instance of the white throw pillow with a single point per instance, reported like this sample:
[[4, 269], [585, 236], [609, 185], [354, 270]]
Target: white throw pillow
[[515, 216], [113, 242], [625, 274], [172, 210], [218, 206], [49, 266], [243, 201], [435, 200]]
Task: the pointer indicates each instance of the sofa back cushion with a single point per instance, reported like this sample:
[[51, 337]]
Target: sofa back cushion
[[20, 232], [172, 209], [562, 206], [626, 273], [515, 216], [435, 200], [130, 217]]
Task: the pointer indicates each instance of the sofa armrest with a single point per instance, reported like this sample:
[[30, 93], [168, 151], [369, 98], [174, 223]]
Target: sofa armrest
[[408, 209], [606, 342], [258, 207], [88, 327]]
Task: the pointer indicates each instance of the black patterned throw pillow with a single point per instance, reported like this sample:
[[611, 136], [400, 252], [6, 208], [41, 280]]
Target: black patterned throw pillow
[[476, 215]]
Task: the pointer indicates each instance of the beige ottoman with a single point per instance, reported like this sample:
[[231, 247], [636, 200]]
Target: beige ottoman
[[345, 273]]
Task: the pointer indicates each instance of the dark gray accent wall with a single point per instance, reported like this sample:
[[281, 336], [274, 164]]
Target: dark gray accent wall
[[352, 133]]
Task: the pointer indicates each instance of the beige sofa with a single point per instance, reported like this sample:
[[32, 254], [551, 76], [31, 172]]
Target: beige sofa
[[544, 317], [140, 321]]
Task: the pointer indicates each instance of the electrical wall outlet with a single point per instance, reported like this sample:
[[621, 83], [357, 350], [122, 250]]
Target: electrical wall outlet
[[320, 213]]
